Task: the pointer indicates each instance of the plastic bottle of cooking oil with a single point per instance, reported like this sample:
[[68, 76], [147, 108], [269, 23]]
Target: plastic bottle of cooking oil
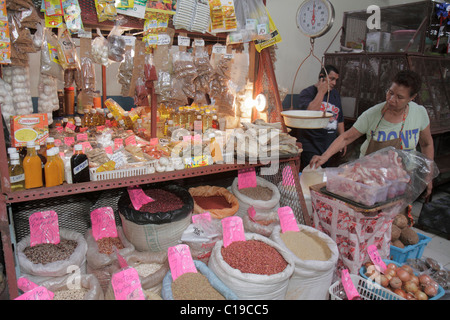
[[100, 117], [60, 163], [176, 117], [127, 120], [32, 166], [42, 153], [112, 121], [50, 142], [207, 120], [16, 173], [182, 117], [52, 170], [78, 125], [94, 118], [86, 118]]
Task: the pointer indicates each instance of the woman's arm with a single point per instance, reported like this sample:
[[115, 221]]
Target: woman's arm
[[427, 148], [338, 144]]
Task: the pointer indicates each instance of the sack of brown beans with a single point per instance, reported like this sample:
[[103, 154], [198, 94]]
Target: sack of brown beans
[[159, 224], [75, 287], [203, 285], [52, 260], [315, 257], [218, 201], [151, 268], [254, 269], [264, 198]]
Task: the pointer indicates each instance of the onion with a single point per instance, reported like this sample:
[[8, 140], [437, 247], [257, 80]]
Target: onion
[[420, 295], [403, 274], [431, 289], [410, 296], [407, 268], [400, 292], [410, 287], [391, 266], [390, 272], [384, 281], [415, 279], [395, 283], [424, 279]]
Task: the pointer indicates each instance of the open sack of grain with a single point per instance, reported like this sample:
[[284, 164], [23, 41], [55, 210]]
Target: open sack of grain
[[75, 287], [159, 224], [315, 256], [203, 285], [218, 201], [42, 261], [264, 198], [254, 269]]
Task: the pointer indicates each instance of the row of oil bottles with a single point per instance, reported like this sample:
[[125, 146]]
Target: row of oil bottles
[[34, 167]]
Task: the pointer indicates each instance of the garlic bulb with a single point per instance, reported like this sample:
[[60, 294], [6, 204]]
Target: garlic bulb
[[6, 101], [48, 95], [18, 78]]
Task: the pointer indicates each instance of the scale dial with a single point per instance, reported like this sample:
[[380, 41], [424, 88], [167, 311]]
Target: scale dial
[[315, 17]]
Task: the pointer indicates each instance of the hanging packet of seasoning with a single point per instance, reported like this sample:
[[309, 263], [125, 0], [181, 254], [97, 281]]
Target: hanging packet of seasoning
[[106, 10], [53, 7], [274, 38], [5, 41], [124, 4], [53, 21], [67, 51], [44, 228], [222, 15], [72, 16], [163, 6]]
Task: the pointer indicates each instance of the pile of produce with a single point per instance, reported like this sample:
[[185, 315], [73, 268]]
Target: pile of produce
[[403, 281], [402, 234]]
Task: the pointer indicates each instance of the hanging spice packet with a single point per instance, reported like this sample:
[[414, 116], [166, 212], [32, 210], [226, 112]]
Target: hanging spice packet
[[5, 41], [72, 16]]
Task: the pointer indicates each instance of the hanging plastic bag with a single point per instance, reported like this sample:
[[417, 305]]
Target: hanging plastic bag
[[116, 43], [99, 49], [67, 51], [49, 56], [87, 74]]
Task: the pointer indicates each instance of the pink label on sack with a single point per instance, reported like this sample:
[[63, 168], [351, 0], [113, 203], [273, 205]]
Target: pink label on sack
[[180, 260], [288, 177], [247, 178], [86, 146], [138, 197], [348, 285], [154, 141], [44, 228], [233, 230], [38, 293], [109, 150], [25, 285], [122, 262], [199, 218], [376, 258], [287, 219], [251, 213], [103, 223], [130, 140], [68, 141], [127, 286], [82, 137], [118, 143]]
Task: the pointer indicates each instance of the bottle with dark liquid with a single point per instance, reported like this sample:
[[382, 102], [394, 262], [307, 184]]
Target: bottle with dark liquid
[[79, 165]]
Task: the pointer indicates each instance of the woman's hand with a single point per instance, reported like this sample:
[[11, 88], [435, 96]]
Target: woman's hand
[[317, 161]]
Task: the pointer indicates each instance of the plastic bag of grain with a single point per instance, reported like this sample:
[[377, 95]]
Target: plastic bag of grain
[[315, 257], [265, 197], [253, 286], [162, 226], [151, 268], [75, 287], [214, 281], [38, 270], [263, 225]]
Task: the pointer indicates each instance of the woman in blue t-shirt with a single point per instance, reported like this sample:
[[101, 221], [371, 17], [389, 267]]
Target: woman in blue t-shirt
[[398, 122]]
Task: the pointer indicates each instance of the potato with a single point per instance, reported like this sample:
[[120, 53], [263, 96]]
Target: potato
[[395, 232], [409, 237], [397, 243], [401, 221]]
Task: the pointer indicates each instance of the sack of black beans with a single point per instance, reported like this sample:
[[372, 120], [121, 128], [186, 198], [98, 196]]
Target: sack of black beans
[[51, 260], [315, 256], [159, 224], [205, 285], [102, 252], [254, 269], [264, 198], [75, 287]]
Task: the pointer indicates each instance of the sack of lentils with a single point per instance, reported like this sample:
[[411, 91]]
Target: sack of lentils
[[315, 256], [52, 260], [159, 224], [81, 287], [218, 201], [265, 197], [254, 269], [203, 285]]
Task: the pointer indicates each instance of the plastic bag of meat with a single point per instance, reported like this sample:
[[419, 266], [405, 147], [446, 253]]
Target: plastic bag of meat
[[386, 174]]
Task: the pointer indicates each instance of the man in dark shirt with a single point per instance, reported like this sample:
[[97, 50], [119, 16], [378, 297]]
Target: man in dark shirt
[[314, 97]]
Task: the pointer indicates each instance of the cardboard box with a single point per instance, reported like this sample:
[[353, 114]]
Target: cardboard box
[[30, 127], [378, 41]]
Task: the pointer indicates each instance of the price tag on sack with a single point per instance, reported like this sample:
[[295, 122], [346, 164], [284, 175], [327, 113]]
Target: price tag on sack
[[287, 219], [103, 223], [138, 197], [38, 293], [44, 228], [233, 230], [180, 260], [126, 285], [376, 259], [348, 285], [122, 261], [26, 285], [198, 218], [247, 178]]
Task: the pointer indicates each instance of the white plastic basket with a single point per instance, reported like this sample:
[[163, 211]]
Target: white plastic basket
[[145, 168], [367, 289]]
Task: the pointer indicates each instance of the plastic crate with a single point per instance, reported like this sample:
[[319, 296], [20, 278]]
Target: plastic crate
[[367, 289], [410, 252], [362, 272], [146, 168]]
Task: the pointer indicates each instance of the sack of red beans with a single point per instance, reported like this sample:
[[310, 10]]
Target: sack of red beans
[[171, 203]]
